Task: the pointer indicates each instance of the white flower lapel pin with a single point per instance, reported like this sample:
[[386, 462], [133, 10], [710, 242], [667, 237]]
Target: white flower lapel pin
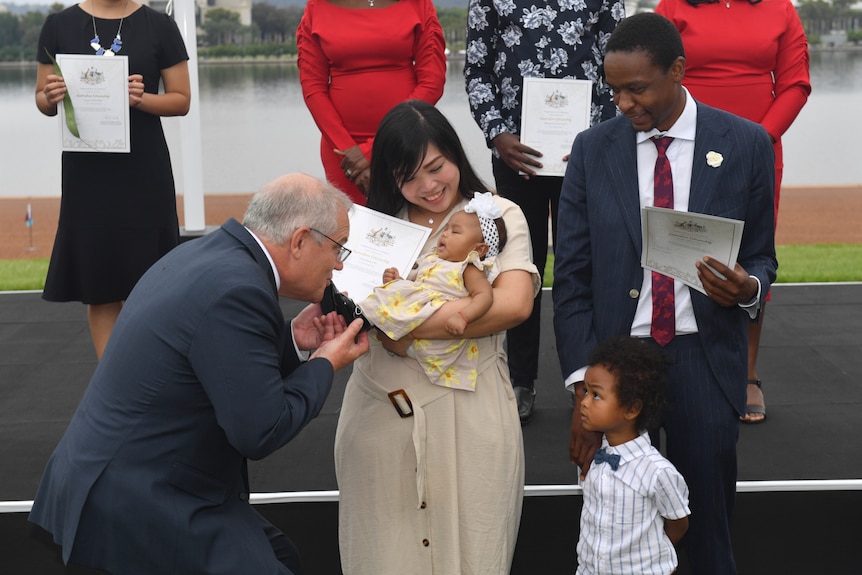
[[714, 159]]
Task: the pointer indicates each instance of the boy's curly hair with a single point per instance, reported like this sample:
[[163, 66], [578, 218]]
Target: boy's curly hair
[[641, 371]]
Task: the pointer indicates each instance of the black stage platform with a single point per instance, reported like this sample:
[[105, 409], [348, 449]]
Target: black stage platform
[[800, 491]]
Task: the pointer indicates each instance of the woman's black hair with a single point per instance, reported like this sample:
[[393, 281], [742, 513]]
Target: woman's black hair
[[502, 232], [400, 145]]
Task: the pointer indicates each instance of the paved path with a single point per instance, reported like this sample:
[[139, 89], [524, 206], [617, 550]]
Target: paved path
[[808, 216]]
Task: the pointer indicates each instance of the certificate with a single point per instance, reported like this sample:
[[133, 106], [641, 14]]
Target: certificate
[[553, 112], [378, 241], [99, 90], [673, 241]]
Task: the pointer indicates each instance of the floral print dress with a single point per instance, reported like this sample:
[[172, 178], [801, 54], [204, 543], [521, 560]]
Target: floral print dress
[[401, 306], [508, 40]]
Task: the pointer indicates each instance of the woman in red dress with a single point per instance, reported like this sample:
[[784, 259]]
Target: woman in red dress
[[358, 59], [749, 57]]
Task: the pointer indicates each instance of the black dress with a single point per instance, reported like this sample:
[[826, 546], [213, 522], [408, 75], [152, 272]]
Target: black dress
[[118, 212]]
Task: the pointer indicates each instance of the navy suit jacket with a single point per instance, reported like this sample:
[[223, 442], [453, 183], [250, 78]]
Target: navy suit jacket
[[199, 374], [597, 273]]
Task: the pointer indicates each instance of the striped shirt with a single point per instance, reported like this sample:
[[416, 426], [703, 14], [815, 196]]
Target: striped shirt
[[622, 520]]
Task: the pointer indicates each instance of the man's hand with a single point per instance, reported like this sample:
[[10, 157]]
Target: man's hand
[[345, 347], [514, 153], [311, 328], [583, 444], [736, 288]]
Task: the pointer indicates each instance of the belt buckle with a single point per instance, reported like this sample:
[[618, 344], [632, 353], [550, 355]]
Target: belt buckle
[[401, 402]]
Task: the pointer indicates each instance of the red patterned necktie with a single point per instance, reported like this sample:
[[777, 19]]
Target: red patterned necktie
[[663, 326]]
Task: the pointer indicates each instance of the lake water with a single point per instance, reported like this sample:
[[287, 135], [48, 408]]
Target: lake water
[[255, 127]]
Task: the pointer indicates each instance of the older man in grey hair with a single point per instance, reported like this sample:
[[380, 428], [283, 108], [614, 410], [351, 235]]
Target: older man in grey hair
[[201, 373]]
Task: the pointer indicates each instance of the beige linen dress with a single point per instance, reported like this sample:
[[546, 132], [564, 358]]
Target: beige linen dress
[[438, 492]]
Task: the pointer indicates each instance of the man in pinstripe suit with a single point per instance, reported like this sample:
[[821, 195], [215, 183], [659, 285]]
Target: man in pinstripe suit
[[721, 165]]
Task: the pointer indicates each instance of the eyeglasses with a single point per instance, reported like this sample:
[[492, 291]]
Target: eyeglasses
[[343, 252]]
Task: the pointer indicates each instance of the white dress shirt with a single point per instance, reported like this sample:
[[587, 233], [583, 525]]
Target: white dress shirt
[[680, 154]]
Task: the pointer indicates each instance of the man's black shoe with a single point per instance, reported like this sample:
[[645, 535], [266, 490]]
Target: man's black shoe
[[524, 397]]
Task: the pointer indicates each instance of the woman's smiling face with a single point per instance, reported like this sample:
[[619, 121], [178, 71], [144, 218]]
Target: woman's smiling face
[[434, 186]]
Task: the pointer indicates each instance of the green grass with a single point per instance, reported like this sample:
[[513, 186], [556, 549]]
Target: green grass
[[797, 264], [23, 274], [819, 263]]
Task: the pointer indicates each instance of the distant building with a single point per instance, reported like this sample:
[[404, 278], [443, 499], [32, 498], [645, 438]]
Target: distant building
[[635, 6], [835, 38], [241, 7], [157, 5], [631, 7]]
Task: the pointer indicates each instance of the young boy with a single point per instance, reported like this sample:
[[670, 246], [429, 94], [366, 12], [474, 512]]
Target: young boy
[[635, 501]]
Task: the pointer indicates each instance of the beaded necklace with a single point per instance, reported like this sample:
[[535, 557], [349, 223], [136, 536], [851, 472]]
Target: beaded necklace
[[116, 45]]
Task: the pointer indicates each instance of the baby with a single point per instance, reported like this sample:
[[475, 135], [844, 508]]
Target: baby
[[462, 265]]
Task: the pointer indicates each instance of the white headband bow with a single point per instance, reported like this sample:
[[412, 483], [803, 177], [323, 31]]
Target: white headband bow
[[483, 205]]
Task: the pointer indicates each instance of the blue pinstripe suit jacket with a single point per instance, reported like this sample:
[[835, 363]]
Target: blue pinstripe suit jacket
[[200, 374], [597, 253]]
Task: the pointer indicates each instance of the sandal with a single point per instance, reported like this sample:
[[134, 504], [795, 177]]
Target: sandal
[[753, 409]]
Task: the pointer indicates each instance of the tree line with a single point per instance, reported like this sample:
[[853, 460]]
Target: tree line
[[271, 33], [819, 18], [19, 34], [273, 29]]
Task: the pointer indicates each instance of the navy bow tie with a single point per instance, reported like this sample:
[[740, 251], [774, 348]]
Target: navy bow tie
[[612, 459]]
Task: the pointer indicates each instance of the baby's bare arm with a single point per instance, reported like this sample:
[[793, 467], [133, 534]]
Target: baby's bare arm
[[513, 302], [480, 291], [481, 299]]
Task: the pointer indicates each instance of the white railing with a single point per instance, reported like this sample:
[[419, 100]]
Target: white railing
[[529, 491]]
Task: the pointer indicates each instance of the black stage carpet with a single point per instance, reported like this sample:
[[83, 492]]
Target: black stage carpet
[[810, 364]]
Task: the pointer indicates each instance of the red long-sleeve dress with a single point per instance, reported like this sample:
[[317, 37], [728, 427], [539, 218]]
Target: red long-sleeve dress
[[356, 64], [748, 59]]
